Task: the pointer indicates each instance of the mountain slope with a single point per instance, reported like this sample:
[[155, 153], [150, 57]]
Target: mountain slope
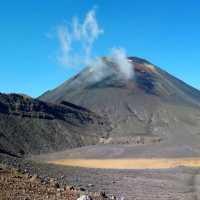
[[148, 79], [152, 104], [32, 126]]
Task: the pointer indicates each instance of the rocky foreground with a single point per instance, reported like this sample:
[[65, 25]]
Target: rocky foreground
[[20, 185]]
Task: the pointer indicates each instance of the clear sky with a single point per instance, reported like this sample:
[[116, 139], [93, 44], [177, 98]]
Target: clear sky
[[167, 33]]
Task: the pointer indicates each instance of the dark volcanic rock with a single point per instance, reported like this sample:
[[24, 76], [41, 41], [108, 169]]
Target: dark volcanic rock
[[32, 126]]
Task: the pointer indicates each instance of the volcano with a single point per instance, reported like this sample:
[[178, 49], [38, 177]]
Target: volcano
[[152, 106]]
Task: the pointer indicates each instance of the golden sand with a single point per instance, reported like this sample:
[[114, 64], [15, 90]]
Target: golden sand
[[129, 163]]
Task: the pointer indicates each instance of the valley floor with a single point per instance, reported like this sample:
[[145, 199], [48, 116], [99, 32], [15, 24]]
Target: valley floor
[[180, 183]]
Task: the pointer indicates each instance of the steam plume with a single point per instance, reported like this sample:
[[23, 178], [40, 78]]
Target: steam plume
[[119, 58], [76, 41], [101, 68]]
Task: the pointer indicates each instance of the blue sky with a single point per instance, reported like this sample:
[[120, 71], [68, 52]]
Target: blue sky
[[164, 32]]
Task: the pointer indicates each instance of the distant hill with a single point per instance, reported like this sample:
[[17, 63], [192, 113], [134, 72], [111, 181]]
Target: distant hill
[[31, 126]]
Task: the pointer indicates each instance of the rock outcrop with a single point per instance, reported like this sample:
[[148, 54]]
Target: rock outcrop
[[31, 126]]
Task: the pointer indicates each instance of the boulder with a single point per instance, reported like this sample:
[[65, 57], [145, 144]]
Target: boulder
[[85, 197]]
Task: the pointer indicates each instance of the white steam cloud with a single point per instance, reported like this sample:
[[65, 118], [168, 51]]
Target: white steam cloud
[[76, 44], [76, 41], [65, 43], [115, 63], [119, 58]]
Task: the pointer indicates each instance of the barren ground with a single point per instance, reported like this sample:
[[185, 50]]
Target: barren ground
[[137, 172], [181, 183], [15, 185]]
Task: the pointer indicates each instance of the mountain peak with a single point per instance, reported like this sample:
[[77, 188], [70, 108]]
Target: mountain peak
[[109, 74]]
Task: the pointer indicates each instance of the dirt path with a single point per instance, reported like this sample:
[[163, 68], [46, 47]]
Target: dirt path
[[129, 163]]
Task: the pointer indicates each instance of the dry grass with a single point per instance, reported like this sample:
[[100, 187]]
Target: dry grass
[[129, 163]]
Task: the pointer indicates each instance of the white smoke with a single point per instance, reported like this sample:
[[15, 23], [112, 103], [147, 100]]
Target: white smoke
[[119, 58], [76, 41], [116, 62], [65, 44], [98, 70]]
